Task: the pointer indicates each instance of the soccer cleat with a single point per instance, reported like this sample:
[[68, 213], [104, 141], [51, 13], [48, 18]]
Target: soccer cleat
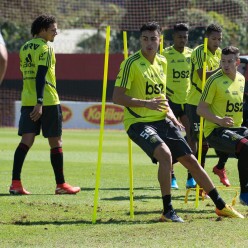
[[170, 216], [174, 183], [222, 176], [229, 211], [243, 197], [65, 188], [191, 183], [17, 189]]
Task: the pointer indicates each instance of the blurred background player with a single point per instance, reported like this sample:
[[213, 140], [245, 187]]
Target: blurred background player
[[221, 105], [3, 58], [178, 84], [40, 104], [214, 35]]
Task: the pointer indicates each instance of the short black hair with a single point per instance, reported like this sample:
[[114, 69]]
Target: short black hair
[[42, 22], [150, 26], [181, 27], [231, 50], [213, 28]]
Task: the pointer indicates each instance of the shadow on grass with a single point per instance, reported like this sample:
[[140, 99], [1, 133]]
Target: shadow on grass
[[146, 197], [117, 189], [186, 214], [23, 195]]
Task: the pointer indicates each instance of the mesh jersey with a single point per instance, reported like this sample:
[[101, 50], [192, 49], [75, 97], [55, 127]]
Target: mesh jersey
[[197, 58], [225, 97], [142, 80], [32, 54], [178, 74]]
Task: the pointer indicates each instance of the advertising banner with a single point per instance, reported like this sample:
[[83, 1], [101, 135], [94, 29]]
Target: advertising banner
[[85, 115]]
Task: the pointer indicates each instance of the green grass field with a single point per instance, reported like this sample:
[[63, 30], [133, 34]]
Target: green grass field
[[47, 220]]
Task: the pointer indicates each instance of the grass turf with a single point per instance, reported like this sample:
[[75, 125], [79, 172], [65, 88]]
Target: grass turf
[[47, 220]]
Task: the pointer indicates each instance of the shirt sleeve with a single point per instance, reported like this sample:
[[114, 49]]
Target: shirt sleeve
[[209, 91], [197, 59], [125, 76], [44, 57]]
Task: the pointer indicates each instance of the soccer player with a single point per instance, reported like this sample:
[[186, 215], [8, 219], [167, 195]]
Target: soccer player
[[140, 87], [221, 105], [40, 104], [3, 58], [178, 84], [214, 35]]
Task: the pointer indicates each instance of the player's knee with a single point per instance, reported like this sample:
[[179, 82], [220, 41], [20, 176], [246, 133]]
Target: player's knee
[[242, 146], [162, 153]]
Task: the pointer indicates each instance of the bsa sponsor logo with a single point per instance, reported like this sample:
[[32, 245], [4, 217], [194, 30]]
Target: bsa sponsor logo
[[113, 114], [66, 112]]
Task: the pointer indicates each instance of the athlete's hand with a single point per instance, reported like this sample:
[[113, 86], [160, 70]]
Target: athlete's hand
[[226, 122], [157, 103], [178, 124], [36, 113]]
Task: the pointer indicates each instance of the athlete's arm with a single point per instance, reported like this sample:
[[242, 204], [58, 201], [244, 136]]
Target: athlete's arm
[[208, 73], [170, 115], [204, 111], [40, 84], [120, 97], [3, 61]]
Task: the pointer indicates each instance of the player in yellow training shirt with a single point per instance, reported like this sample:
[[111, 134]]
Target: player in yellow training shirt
[[150, 123], [178, 57], [214, 35], [222, 107], [40, 104]]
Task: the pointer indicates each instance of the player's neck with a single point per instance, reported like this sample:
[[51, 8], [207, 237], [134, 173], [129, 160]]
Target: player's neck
[[232, 76], [178, 49], [150, 57], [41, 37]]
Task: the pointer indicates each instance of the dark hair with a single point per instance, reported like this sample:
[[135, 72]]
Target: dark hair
[[230, 50], [150, 26], [42, 22], [213, 28], [180, 27]]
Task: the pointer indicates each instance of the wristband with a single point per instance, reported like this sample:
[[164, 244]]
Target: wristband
[[40, 100]]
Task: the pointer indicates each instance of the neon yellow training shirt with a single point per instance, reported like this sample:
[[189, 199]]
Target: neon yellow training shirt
[[197, 58], [32, 54], [178, 74], [225, 97], [142, 80]]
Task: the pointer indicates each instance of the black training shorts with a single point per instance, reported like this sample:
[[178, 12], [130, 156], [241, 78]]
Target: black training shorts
[[226, 139], [50, 121], [148, 135], [177, 109]]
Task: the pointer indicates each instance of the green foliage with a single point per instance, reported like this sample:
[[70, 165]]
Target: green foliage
[[15, 35], [97, 14]]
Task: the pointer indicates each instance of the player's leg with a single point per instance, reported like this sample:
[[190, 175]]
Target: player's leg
[[234, 141], [28, 129], [219, 169], [52, 129], [176, 109], [151, 143], [182, 153], [190, 183]]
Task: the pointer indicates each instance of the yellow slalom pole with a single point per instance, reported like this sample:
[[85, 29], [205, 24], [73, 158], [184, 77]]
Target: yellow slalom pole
[[130, 156], [201, 118], [105, 78], [161, 47]]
